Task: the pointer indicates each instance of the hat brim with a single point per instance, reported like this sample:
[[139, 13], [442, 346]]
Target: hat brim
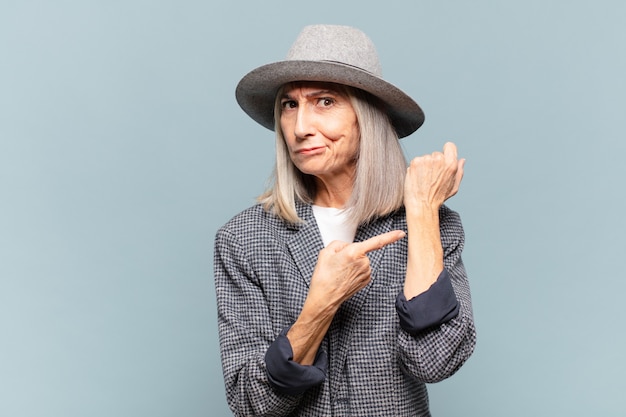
[[256, 92]]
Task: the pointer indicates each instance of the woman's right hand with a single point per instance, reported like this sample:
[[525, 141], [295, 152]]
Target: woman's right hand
[[343, 269]]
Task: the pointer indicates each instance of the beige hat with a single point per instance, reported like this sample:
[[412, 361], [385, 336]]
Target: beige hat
[[338, 54]]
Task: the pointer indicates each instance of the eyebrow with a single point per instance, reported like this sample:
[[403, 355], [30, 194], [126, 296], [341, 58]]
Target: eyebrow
[[314, 93]]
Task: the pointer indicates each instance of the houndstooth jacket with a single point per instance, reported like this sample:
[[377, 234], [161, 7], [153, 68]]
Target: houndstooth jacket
[[263, 267]]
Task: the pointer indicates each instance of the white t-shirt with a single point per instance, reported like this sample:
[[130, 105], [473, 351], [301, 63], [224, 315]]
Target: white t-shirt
[[334, 224]]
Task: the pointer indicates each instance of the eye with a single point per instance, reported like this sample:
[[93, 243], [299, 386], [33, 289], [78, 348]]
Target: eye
[[326, 101], [288, 104]]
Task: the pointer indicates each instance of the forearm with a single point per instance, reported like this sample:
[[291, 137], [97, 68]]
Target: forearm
[[430, 181], [454, 337], [307, 333], [294, 360], [425, 253]]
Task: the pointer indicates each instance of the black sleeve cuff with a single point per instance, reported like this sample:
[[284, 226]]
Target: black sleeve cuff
[[435, 306], [287, 376]]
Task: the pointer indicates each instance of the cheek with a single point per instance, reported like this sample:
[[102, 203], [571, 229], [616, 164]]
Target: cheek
[[339, 130], [354, 138]]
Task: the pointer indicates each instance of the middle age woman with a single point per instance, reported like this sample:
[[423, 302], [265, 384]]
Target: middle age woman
[[343, 291]]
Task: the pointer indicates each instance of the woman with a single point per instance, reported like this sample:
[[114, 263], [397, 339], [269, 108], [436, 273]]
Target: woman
[[343, 291]]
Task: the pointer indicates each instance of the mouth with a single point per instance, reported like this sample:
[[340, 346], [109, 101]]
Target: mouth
[[311, 150]]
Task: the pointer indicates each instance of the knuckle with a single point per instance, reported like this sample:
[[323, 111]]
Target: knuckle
[[351, 252], [416, 161]]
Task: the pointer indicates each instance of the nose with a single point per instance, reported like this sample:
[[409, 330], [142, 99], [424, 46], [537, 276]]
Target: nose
[[304, 126]]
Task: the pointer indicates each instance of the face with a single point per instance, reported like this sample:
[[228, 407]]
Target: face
[[320, 129]]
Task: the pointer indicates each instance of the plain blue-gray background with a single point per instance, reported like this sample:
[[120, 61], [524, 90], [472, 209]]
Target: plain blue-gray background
[[122, 150]]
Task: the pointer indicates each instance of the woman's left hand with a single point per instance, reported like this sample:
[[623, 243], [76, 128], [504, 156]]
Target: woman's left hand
[[432, 179]]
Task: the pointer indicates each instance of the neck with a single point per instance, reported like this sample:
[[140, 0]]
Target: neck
[[333, 193]]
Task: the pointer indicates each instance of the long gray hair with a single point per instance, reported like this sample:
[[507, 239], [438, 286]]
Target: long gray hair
[[378, 187]]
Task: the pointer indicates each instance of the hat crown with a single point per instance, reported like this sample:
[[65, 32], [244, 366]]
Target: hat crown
[[341, 44]]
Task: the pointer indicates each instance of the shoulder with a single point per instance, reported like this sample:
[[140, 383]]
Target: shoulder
[[254, 224], [245, 218], [252, 219]]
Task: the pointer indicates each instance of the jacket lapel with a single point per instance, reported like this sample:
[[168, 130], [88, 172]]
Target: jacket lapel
[[305, 243]]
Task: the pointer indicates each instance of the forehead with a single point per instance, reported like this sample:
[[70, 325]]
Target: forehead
[[315, 85]]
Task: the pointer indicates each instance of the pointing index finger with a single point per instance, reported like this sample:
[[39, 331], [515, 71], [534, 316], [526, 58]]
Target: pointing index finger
[[377, 242]]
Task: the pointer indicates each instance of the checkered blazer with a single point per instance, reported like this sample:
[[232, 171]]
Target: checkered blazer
[[263, 267]]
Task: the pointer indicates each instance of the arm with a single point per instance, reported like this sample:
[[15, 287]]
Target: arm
[[435, 272], [342, 269], [265, 374], [436, 352], [430, 180], [245, 333]]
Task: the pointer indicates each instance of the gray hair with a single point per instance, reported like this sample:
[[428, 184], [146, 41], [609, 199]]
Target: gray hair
[[378, 188]]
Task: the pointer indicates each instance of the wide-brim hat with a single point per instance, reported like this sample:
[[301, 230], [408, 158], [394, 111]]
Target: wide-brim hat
[[328, 53]]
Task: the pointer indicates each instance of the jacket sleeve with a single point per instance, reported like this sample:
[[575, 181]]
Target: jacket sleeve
[[245, 333], [435, 352], [288, 376], [430, 309]]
